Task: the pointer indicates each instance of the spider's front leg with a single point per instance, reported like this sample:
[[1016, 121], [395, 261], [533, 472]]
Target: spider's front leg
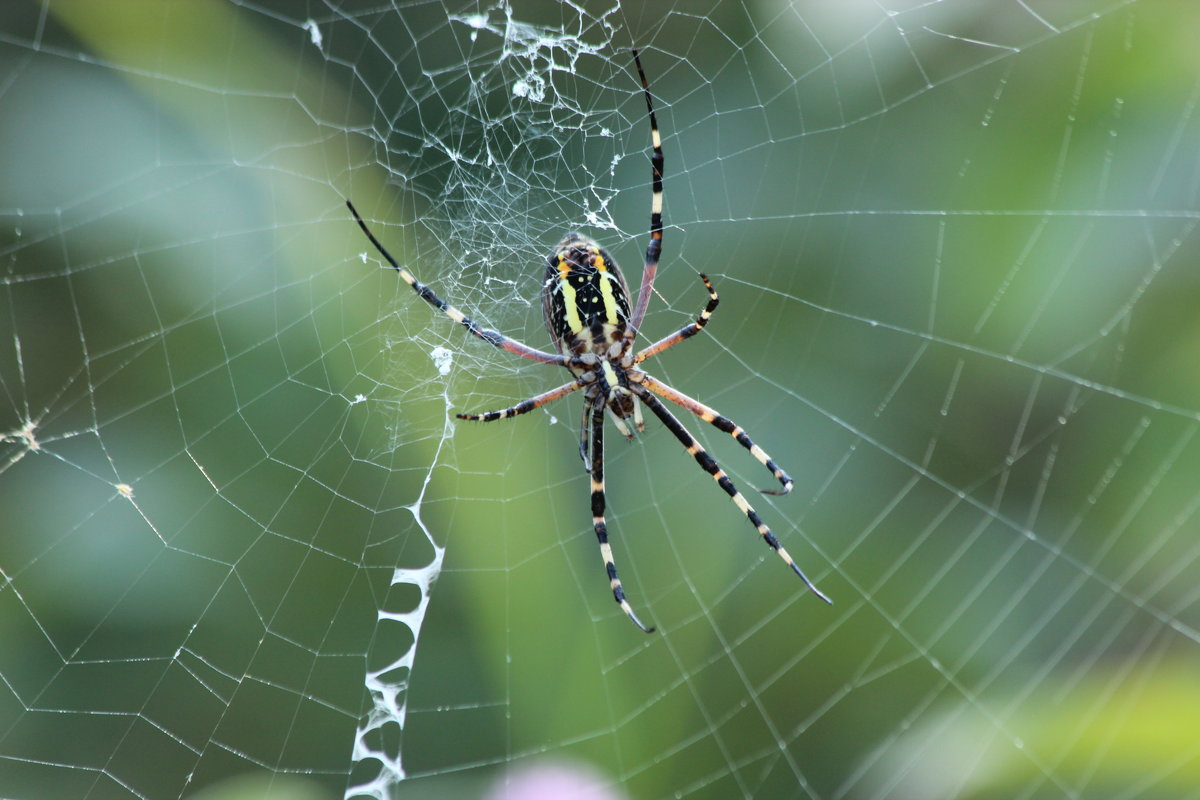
[[721, 423], [598, 521], [709, 465]]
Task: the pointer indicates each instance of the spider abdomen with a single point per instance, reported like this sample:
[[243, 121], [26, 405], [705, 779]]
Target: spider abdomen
[[584, 298]]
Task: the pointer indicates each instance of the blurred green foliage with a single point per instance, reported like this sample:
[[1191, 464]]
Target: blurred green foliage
[[955, 252]]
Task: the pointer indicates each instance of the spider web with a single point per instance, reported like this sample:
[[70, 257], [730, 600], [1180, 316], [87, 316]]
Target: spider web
[[245, 548]]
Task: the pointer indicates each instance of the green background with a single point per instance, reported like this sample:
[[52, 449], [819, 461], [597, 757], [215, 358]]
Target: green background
[[955, 247]]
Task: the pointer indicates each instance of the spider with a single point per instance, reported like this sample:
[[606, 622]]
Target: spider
[[585, 301]]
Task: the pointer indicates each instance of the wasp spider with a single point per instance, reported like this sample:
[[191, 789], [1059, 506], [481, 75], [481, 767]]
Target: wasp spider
[[585, 300]]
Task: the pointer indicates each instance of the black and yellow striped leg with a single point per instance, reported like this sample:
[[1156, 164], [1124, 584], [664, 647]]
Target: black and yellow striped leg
[[525, 406], [687, 331], [722, 423], [494, 338], [710, 466], [598, 513], [654, 249]]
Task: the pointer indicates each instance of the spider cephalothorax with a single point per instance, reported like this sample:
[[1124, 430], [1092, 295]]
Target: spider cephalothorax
[[585, 300]]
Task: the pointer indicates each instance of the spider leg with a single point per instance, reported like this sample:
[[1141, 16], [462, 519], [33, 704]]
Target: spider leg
[[654, 249], [598, 513], [687, 331], [585, 433], [710, 466], [525, 406], [721, 423], [494, 338]]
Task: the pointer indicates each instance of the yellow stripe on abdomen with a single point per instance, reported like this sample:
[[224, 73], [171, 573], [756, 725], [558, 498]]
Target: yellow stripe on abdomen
[[570, 307]]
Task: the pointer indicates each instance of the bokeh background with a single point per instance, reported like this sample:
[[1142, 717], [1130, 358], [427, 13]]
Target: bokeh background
[[246, 551]]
